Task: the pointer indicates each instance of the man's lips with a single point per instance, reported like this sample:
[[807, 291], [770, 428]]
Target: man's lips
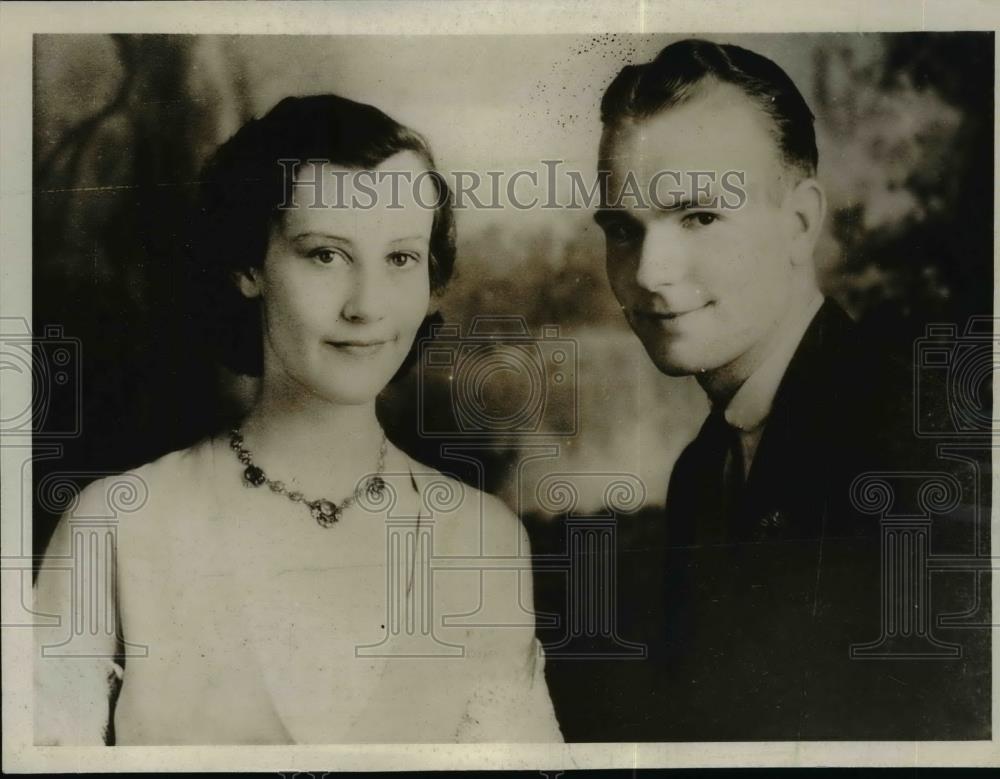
[[669, 314]]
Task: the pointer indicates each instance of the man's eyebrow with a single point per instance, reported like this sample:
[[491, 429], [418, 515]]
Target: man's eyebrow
[[670, 204], [605, 216], [682, 203]]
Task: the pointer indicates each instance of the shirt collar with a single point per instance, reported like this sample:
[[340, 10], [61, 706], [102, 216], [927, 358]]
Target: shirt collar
[[749, 407]]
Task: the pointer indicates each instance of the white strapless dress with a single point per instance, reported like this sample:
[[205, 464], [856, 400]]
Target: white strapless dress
[[193, 610]]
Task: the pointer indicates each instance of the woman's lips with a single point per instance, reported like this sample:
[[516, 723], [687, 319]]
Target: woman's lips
[[358, 348]]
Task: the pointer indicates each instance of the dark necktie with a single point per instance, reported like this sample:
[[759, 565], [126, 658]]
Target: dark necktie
[[707, 483]]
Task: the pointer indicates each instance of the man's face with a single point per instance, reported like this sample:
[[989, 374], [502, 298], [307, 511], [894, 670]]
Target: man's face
[[702, 286]]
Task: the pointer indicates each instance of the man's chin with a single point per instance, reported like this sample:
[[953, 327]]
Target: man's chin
[[675, 363], [675, 371]]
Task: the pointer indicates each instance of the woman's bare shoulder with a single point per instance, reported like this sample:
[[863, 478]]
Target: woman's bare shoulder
[[469, 516], [177, 481]]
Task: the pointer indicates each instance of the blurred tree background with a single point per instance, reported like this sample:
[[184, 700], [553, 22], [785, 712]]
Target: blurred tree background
[[123, 123]]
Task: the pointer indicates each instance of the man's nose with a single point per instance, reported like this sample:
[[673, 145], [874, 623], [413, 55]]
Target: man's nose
[[662, 259], [367, 298]]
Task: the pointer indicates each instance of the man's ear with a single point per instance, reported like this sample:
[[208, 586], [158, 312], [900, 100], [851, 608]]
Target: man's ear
[[248, 282], [807, 201]]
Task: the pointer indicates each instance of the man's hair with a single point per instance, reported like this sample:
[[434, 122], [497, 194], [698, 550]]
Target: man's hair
[[683, 69], [243, 184]]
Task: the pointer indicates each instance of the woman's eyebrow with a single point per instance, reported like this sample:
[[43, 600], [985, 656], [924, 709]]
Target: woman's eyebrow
[[416, 237], [313, 234]]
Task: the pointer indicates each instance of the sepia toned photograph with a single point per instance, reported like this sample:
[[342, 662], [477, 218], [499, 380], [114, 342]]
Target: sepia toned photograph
[[549, 389]]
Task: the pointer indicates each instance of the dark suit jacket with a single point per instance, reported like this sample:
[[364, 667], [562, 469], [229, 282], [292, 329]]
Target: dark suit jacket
[[751, 639]]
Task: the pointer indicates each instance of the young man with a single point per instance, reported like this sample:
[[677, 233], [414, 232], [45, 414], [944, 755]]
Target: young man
[[770, 565]]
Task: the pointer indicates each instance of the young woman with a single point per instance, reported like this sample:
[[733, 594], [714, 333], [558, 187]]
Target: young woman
[[274, 583]]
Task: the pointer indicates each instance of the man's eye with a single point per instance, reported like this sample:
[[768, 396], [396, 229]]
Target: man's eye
[[327, 256], [700, 219], [402, 259]]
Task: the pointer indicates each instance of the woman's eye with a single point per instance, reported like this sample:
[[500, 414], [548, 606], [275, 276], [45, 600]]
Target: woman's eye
[[402, 259], [326, 256], [700, 219]]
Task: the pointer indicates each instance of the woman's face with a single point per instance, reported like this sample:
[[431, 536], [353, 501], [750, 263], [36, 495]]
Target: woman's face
[[344, 290]]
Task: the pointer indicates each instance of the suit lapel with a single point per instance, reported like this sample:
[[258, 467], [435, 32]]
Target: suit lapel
[[785, 489]]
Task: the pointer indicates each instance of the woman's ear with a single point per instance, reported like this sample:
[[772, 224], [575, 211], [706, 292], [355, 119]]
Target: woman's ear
[[247, 282], [808, 202]]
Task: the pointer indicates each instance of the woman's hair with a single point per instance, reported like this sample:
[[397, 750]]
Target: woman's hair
[[244, 182]]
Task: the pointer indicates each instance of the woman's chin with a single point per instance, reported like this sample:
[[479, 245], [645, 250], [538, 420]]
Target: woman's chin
[[354, 395], [353, 386]]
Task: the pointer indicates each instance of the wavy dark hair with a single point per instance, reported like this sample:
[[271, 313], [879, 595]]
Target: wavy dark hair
[[677, 72], [243, 184]]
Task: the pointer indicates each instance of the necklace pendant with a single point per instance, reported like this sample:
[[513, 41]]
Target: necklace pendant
[[254, 476], [325, 512], [374, 487]]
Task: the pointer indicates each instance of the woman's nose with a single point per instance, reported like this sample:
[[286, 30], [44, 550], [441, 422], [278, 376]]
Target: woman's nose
[[366, 300]]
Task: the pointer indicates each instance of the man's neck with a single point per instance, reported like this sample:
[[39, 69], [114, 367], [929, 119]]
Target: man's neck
[[723, 383]]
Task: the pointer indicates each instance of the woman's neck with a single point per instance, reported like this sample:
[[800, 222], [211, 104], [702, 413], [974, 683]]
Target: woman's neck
[[311, 443]]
